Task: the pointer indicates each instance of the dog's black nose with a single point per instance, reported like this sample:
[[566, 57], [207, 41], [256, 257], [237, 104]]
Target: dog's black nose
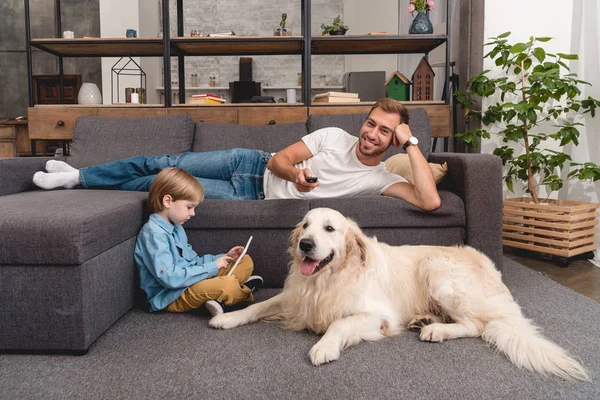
[[307, 245]]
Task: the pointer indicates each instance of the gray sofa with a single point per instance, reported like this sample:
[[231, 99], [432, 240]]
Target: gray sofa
[[67, 271]]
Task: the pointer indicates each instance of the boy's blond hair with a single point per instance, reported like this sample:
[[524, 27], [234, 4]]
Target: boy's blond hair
[[177, 183], [393, 107]]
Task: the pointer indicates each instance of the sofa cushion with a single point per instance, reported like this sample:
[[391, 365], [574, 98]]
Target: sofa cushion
[[211, 136], [351, 123], [400, 164], [100, 139], [387, 212], [259, 214], [66, 227]]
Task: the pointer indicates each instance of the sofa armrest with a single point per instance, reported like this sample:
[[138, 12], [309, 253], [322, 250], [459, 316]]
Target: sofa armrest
[[16, 174], [477, 179]]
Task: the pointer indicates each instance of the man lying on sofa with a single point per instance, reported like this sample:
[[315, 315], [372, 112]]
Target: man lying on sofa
[[342, 165]]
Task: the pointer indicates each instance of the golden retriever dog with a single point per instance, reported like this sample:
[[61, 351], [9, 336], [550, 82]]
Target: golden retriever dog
[[350, 287]]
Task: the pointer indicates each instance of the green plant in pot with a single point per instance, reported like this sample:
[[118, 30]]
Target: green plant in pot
[[282, 31], [536, 101], [337, 27]]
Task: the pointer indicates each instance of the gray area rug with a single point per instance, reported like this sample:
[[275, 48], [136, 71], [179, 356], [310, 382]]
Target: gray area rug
[[151, 356]]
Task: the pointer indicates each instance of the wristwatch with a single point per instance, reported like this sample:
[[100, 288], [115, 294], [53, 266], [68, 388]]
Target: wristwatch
[[412, 141]]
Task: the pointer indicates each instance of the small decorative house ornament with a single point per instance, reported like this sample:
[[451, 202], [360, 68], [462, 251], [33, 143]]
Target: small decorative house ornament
[[398, 87], [422, 81]]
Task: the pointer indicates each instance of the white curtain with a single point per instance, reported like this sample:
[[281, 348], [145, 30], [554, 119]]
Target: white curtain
[[585, 42]]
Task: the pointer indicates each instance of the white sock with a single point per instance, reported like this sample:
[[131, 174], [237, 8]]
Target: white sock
[[59, 166], [54, 180]]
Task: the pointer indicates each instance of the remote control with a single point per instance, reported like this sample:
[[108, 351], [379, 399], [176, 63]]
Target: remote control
[[311, 179]]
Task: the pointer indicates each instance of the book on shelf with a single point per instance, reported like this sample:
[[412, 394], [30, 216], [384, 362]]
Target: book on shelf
[[206, 98], [337, 94], [222, 34], [336, 99]]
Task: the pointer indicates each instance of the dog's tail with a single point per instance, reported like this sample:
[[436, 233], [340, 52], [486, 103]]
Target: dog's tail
[[521, 341]]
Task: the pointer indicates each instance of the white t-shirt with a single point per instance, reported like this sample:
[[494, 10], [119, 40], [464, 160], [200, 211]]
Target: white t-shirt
[[338, 168]]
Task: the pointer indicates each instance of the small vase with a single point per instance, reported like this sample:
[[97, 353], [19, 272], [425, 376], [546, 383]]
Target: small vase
[[421, 24], [89, 94]]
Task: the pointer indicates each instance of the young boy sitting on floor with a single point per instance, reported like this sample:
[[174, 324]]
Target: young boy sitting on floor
[[173, 276]]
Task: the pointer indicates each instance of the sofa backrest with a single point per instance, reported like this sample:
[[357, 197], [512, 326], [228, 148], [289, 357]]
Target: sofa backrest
[[351, 123], [101, 139], [211, 136]]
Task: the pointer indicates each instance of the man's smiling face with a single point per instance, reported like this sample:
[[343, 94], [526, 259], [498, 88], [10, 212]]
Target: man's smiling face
[[377, 132]]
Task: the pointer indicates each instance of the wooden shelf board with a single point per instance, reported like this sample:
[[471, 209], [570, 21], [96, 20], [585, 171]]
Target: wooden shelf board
[[101, 47], [116, 105], [240, 105], [365, 44], [238, 45]]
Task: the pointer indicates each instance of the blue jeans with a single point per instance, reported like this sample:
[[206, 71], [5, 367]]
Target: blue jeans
[[235, 174]]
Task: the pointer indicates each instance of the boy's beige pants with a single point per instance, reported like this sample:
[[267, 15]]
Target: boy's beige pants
[[222, 288]]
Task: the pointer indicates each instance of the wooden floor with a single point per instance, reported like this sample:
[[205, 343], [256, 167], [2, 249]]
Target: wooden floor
[[581, 275]]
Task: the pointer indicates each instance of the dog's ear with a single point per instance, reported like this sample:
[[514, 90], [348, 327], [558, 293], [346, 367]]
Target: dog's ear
[[295, 236], [356, 241]]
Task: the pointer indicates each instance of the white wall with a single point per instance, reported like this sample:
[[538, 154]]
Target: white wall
[[363, 17], [149, 26], [116, 16]]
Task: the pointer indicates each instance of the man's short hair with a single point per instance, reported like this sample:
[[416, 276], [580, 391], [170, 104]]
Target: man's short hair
[[393, 107], [177, 183]]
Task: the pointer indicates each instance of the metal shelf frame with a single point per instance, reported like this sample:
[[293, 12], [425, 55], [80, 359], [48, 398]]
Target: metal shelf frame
[[180, 47]]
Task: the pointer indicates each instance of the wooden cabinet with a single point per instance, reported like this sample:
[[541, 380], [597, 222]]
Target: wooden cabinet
[[55, 122], [439, 115], [8, 141], [225, 115], [124, 112], [271, 115]]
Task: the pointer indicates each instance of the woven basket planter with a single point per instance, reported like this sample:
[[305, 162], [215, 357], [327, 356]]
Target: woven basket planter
[[557, 227]]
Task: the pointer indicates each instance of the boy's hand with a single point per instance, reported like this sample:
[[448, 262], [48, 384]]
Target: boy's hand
[[223, 261], [235, 252]]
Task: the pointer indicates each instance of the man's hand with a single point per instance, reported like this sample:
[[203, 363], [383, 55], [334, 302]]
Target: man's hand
[[223, 261], [401, 134], [301, 183]]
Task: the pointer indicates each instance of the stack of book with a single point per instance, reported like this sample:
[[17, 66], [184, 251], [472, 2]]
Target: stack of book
[[206, 98], [337, 97]]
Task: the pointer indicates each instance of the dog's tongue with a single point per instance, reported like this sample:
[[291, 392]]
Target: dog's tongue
[[308, 266]]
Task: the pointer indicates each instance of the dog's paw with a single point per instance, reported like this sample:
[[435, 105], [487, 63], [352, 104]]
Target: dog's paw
[[225, 321], [433, 333], [323, 353], [421, 320]]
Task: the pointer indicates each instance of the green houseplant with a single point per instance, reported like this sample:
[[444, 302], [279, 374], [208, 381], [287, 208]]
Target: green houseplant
[[282, 31], [535, 99], [337, 27]]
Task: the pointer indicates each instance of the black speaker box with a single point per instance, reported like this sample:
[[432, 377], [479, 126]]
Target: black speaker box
[[245, 68], [243, 91]]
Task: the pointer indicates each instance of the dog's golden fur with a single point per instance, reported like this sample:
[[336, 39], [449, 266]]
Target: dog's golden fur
[[350, 287]]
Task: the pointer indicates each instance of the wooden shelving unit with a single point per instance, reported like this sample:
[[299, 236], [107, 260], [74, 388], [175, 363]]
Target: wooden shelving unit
[[166, 47]]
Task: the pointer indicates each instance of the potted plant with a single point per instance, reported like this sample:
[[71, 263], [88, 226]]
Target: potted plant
[[535, 101], [282, 31], [337, 28]]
